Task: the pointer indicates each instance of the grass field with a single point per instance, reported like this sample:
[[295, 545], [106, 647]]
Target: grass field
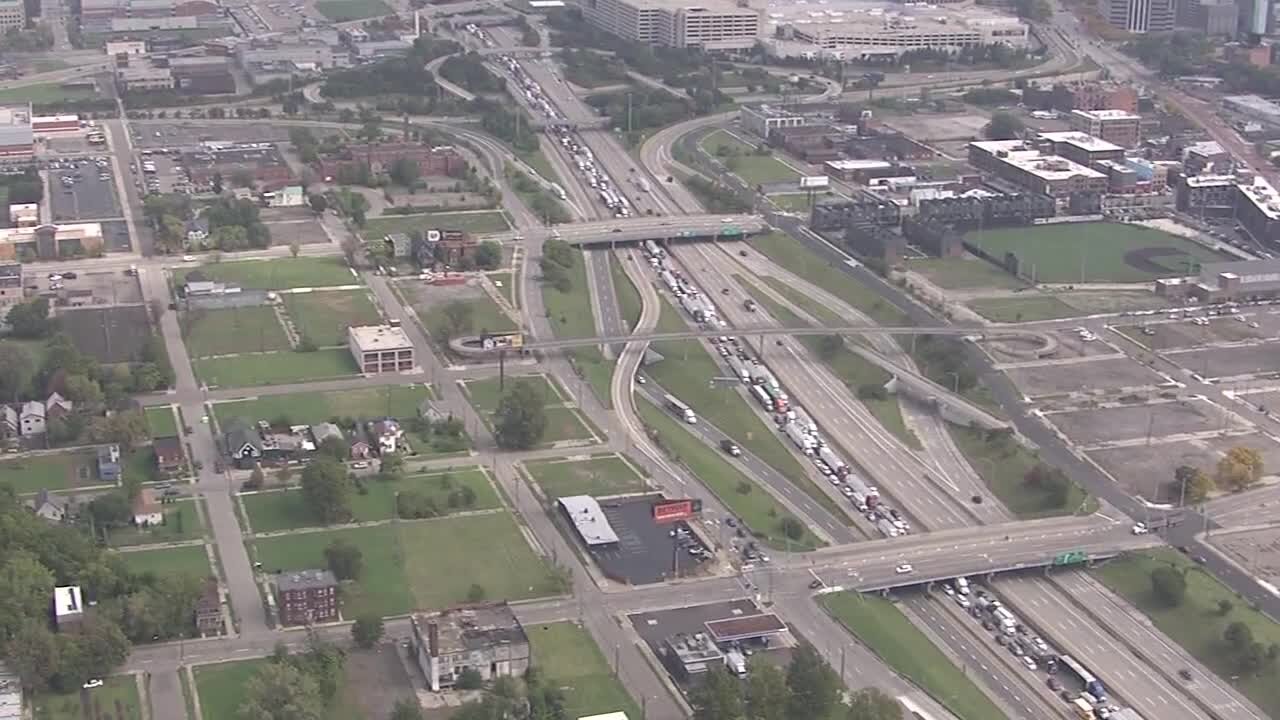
[[485, 394], [754, 507], [485, 316], [188, 559], [791, 255], [1093, 252], [1196, 624], [960, 273], [887, 632], [286, 510], [570, 314], [310, 408], [220, 689], [1003, 465], [229, 331], [604, 475], [117, 699], [505, 283], [324, 316], [1024, 308], [405, 570], [752, 168], [480, 222], [181, 522], [281, 274], [275, 368], [597, 370], [162, 421], [52, 471], [629, 303], [347, 10], [45, 93], [570, 660]]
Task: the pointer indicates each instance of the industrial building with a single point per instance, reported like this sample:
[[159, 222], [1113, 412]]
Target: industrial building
[[261, 160], [49, 242], [380, 348], [1082, 148], [1032, 170], [1253, 107], [1216, 282], [486, 639], [16, 134], [764, 119], [441, 160], [1115, 126], [143, 78], [1139, 16], [709, 25]]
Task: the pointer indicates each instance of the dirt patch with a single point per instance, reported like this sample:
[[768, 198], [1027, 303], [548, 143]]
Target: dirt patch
[[1144, 259], [1134, 421]]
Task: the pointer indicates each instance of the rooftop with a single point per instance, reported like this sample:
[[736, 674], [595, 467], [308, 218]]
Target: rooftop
[[15, 115], [1211, 180], [305, 580], [852, 13], [474, 627], [1263, 197], [70, 231], [1084, 141], [743, 628], [1045, 167], [589, 519], [370, 338], [255, 154], [858, 164], [1107, 114], [1207, 147], [67, 601], [696, 648]]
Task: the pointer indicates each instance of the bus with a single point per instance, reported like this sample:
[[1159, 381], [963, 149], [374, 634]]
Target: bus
[[1092, 685]]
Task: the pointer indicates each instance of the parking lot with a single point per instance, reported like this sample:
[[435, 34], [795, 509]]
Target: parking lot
[[82, 189], [1152, 420], [1230, 362], [152, 134], [1148, 469], [109, 335], [159, 172], [1058, 378], [646, 550], [69, 145], [98, 288]]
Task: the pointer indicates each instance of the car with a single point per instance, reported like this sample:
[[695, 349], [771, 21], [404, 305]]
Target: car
[[640, 380], [1054, 684], [950, 591], [55, 286], [617, 230], [1031, 664], [1140, 529], [54, 277], [815, 583], [742, 253], [730, 447], [904, 569], [963, 601], [69, 275], [724, 291], [361, 465], [1002, 639], [188, 258], [94, 683]]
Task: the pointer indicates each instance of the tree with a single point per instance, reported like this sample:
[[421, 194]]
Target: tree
[[815, 689], [1238, 635], [829, 346], [766, 693], [318, 203], [17, 369], [126, 428], [33, 652], [344, 559], [326, 488], [110, 510], [1224, 607], [456, 318], [792, 528], [1239, 469], [294, 249], [405, 171], [521, 418], [280, 691], [367, 630], [873, 704], [391, 465], [406, 709], [1003, 126], [1169, 585], [719, 697], [470, 679], [1193, 484], [30, 319], [488, 255], [25, 588]]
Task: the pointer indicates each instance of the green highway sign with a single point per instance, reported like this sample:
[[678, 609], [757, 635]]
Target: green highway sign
[[1070, 558], [731, 230]]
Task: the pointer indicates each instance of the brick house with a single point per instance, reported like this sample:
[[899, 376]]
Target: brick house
[[306, 597]]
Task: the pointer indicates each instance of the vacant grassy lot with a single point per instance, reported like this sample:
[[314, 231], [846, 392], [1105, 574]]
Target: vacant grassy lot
[[400, 401], [188, 559], [959, 273], [347, 10], [1196, 624], [405, 571], [742, 160], [162, 421], [504, 281], [1024, 308], [791, 255], [883, 628], [629, 303], [281, 274], [181, 522], [286, 510], [52, 471], [275, 368], [43, 94], [485, 394], [1094, 252], [793, 202], [570, 313], [220, 689], [753, 505], [117, 699], [571, 661], [1003, 465], [483, 221], [229, 331], [485, 316], [604, 475], [324, 316]]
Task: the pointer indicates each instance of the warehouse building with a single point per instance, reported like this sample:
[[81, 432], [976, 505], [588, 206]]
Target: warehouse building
[[764, 119], [710, 25], [1082, 148], [1032, 170], [1244, 279]]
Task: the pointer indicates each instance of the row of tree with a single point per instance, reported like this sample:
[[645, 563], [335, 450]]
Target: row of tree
[[1248, 656], [1240, 468]]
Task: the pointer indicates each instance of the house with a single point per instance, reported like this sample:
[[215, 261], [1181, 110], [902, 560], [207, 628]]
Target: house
[[9, 426], [325, 431], [31, 418], [304, 597], [169, 455], [360, 450], [51, 506], [243, 445], [147, 510], [281, 447], [388, 433], [209, 609], [287, 196], [56, 407], [488, 639], [68, 607], [109, 463]]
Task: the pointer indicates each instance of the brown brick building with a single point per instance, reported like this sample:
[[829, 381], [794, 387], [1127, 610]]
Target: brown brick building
[[379, 157], [306, 597]]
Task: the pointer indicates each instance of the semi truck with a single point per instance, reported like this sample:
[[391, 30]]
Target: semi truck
[[739, 368], [833, 461], [682, 411], [799, 437]]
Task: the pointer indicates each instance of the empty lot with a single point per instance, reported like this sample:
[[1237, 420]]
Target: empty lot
[[1135, 421], [1087, 375]]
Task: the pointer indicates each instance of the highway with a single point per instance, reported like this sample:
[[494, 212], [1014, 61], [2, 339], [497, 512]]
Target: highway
[[629, 230]]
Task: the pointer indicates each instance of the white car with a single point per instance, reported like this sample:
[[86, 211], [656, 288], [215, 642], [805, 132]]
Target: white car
[[94, 683], [950, 591], [963, 602], [1141, 529], [903, 569], [188, 258]]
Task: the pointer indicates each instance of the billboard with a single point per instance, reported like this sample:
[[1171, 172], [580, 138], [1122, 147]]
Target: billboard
[[502, 341], [668, 511], [814, 182]]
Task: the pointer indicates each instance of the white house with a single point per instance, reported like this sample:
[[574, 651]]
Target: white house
[[31, 419], [147, 510], [50, 506], [68, 606]]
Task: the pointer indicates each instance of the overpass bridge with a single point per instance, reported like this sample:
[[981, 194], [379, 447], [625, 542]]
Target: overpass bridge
[[660, 228]]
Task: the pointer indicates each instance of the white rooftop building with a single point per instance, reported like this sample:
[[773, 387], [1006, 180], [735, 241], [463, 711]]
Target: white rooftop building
[[589, 520]]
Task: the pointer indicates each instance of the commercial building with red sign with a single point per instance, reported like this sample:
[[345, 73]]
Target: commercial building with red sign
[[667, 511]]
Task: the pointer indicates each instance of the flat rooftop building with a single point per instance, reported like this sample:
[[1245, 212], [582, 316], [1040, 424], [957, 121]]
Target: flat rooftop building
[[488, 639], [381, 348], [1226, 281], [1116, 126], [710, 24], [16, 133], [589, 520], [47, 242], [763, 119], [1033, 170]]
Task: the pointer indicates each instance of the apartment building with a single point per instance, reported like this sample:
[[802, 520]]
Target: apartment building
[[1115, 126], [13, 15], [710, 25]]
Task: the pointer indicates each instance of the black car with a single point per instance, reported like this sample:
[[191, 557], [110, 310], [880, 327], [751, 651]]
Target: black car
[[69, 275]]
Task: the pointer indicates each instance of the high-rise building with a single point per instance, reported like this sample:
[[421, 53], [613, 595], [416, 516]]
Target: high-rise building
[[1255, 17], [13, 15], [1140, 16], [710, 25]]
